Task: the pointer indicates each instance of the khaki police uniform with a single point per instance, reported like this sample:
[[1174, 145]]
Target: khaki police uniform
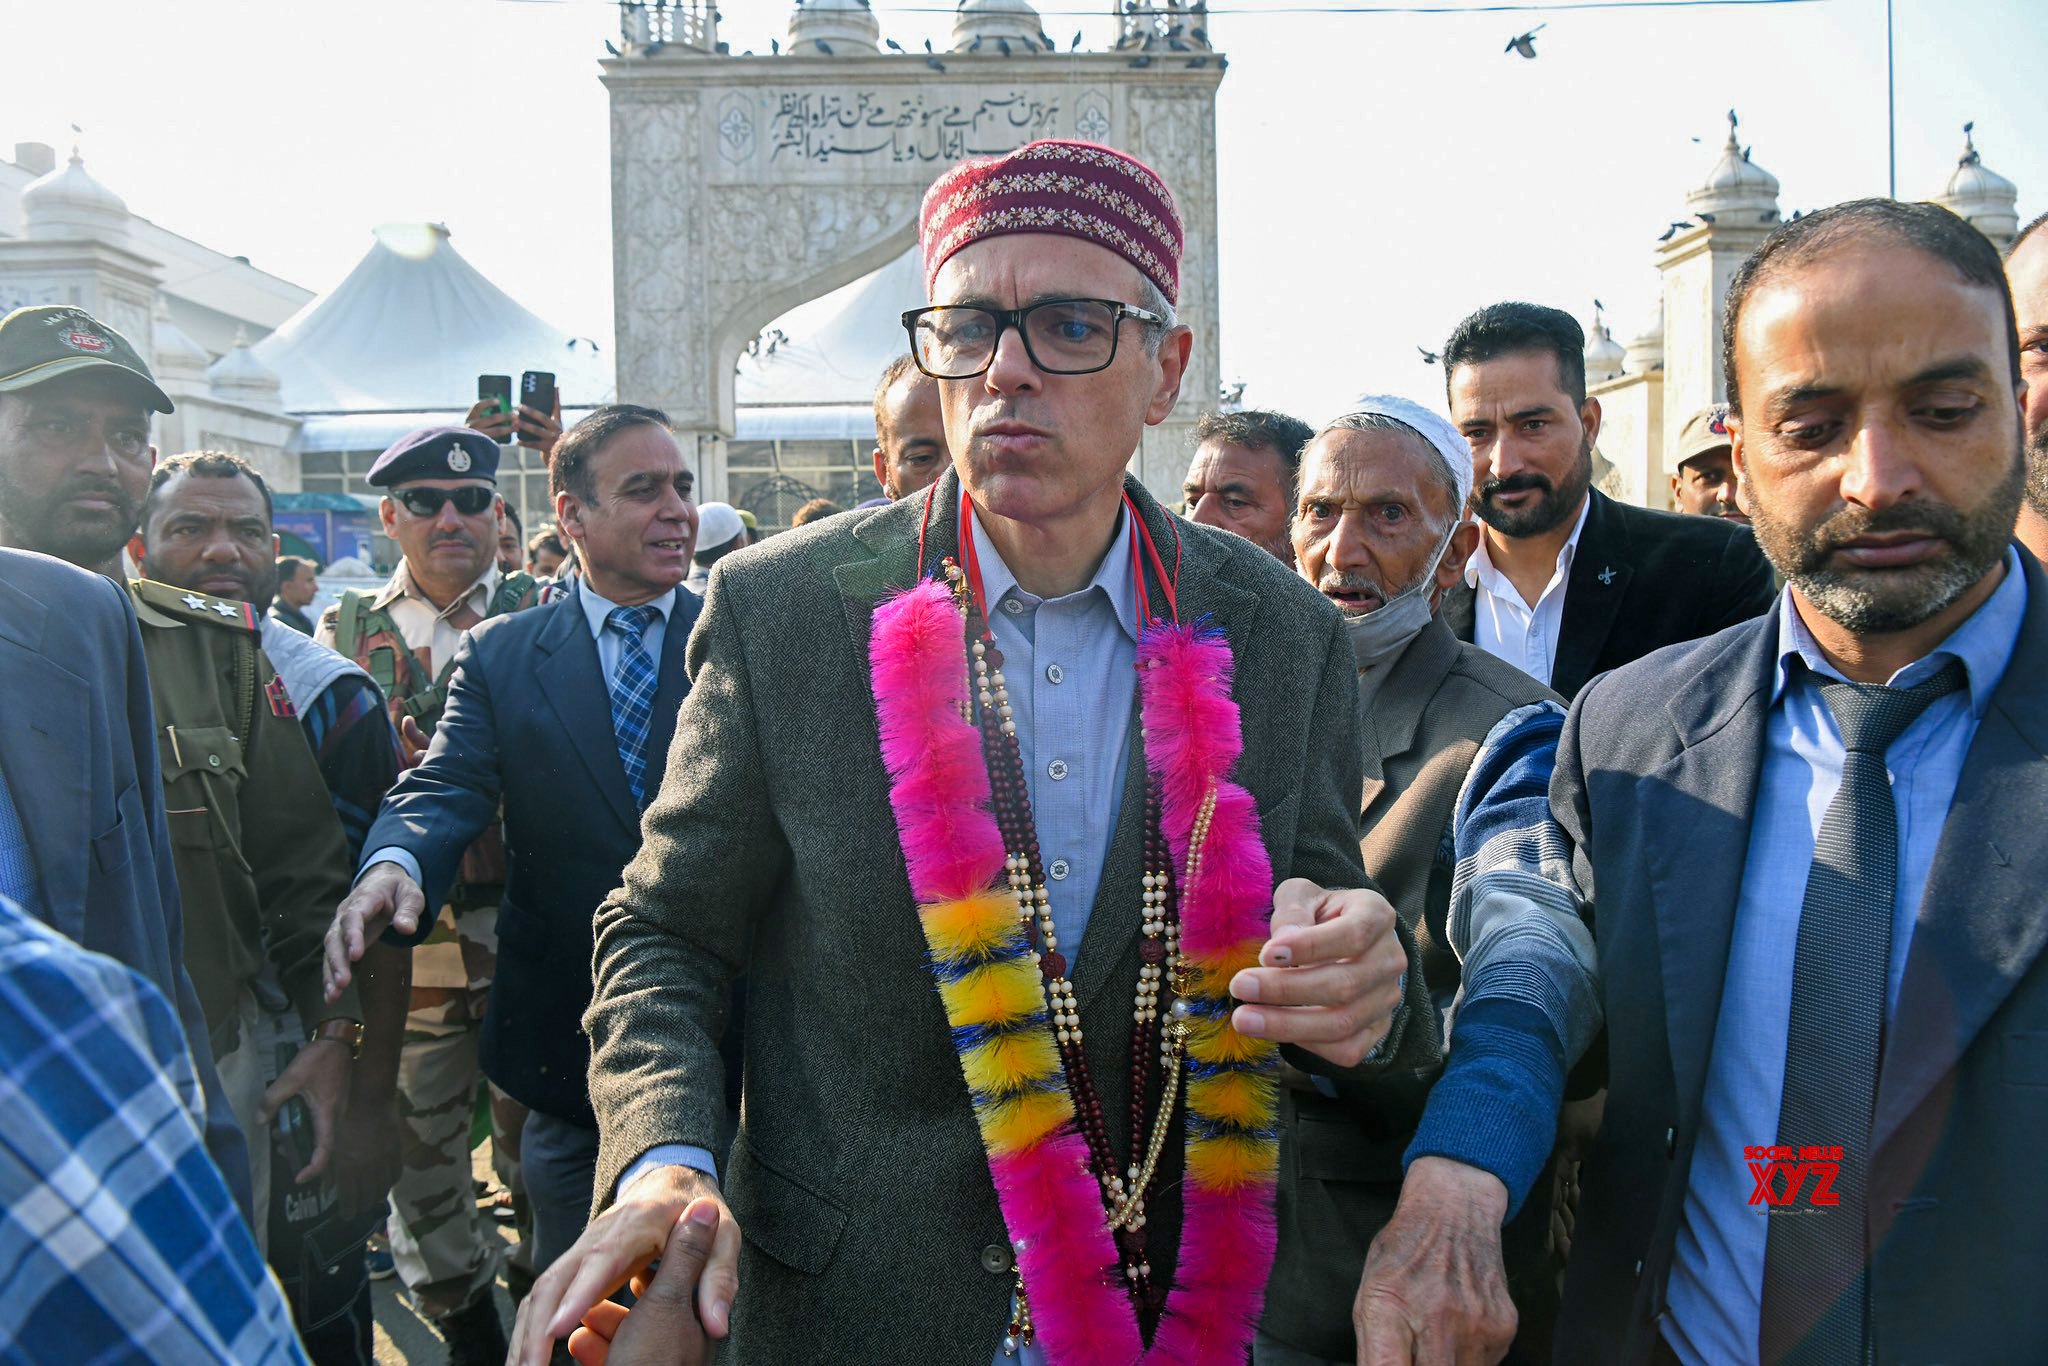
[[260, 855], [443, 1250]]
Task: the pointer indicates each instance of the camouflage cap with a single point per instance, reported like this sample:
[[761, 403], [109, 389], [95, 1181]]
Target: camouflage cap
[[48, 341]]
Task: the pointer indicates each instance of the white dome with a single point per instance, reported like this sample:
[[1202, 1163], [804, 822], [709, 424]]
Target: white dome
[[240, 376], [848, 27], [175, 356], [1981, 196], [1604, 355], [1735, 183], [69, 203], [1012, 21], [1646, 352]]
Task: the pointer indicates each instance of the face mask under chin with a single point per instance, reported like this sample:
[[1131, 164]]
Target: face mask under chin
[[1382, 632]]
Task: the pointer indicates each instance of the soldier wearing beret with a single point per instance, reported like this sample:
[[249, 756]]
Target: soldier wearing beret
[[441, 505], [260, 857]]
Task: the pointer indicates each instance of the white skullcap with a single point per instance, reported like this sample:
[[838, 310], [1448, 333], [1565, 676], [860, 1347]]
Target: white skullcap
[[1447, 441], [717, 523]]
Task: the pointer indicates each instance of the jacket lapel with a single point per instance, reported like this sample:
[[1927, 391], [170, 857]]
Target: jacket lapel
[[1114, 921], [1981, 926], [573, 682], [1592, 595], [47, 718], [1702, 798], [1399, 701]]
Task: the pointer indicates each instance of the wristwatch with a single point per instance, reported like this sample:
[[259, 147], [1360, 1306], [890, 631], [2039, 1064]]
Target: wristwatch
[[349, 1032]]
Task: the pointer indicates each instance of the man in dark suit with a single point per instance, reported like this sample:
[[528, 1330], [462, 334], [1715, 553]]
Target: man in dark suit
[[82, 827], [564, 714], [1814, 845], [1567, 583]]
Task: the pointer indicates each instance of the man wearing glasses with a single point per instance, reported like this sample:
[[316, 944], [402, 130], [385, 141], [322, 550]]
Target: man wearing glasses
[[911, 1048], [441, 506]]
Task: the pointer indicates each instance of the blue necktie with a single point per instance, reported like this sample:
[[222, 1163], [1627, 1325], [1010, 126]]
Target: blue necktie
[[633, 694]]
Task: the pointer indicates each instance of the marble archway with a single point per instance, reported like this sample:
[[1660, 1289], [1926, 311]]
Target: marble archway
[[744, 185]]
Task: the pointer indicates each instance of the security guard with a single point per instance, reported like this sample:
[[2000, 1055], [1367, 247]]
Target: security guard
[[260, 857], [441, 506]]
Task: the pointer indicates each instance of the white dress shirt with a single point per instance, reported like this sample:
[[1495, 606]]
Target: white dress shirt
[[1505, 625]]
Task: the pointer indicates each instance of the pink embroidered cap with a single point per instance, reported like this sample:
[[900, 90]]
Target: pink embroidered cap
[[1077, 189]]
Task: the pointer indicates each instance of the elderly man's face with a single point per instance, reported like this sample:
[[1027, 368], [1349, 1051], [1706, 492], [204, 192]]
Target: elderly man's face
[[1246, 490], [910, 436], [212, 535], [1532, 445], [1879, 439], [1705, 486], [2027, 273], [74, 466], [1373, 506], [1038, 448]]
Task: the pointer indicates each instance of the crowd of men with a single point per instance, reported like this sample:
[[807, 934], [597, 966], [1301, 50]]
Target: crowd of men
[[1649, 960]]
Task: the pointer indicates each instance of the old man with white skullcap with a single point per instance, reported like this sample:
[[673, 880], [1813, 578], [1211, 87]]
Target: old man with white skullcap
[[1406, 1228]]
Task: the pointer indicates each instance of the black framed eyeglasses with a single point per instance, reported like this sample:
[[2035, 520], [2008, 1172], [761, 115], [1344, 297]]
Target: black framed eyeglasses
[[471, 500], [1062, 336]]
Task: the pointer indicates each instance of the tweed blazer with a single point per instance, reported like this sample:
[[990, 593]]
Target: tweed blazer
[[872, 1231], [1340, 1156]]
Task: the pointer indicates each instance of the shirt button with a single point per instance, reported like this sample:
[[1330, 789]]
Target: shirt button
[[995, 1259], [1054, 673], [1012, 606], [1056, 770], [1058, 871]]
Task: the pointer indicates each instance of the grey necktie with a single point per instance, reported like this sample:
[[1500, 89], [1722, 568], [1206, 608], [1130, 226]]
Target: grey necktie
[[1815, 1274]]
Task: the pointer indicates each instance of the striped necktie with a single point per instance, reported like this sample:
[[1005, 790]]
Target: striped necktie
[[632, 689], [1816, 1272]]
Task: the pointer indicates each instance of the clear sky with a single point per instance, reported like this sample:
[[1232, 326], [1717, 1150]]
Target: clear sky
[[1379, 174]]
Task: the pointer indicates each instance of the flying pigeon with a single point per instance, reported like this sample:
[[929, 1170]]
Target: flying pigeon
[[1525, 45], [1428, 357], [1706, 218], [1674, 230]]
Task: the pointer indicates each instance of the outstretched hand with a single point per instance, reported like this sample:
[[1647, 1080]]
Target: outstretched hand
[[385, 895], [662, 1327], [1329, 977]]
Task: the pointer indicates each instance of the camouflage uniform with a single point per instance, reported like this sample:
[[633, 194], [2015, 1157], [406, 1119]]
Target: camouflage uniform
[[260, 855], [444, 1251]]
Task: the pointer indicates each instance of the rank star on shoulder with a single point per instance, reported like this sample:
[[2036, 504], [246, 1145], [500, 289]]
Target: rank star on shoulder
[[223, 609], [193, 601]]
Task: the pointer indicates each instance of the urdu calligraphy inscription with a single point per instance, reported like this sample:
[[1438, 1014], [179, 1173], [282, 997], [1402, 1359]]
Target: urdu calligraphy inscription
[[816, 127]]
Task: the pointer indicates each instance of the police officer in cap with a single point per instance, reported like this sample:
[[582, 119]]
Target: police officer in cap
[[260, 857], [441, 506]]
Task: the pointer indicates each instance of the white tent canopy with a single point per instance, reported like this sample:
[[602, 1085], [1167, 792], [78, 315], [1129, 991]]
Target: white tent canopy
[[832, 350], [409, 331]]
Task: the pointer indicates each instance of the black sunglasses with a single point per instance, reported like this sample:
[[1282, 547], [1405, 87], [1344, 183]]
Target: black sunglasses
[[470, 501]]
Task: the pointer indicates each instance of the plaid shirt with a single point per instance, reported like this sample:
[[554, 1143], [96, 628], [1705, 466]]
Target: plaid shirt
[[118, 1238]]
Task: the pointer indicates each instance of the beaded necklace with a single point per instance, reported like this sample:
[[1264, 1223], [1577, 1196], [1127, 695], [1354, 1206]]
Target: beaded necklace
[[1084, 1290]]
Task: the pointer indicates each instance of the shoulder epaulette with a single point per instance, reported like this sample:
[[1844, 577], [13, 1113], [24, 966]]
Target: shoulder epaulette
[[184, 605]]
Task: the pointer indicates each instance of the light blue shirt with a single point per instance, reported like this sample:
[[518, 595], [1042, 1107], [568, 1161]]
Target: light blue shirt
[[1716, 1290], [17, 863], [609, 645], [1070, 664]]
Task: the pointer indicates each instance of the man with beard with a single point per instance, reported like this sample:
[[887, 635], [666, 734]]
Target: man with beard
[[206, 528], [1567, 583], [1816, 852], [441, 505], [1380, 530], [2026, 270], [1242, 477], [254, 860]]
